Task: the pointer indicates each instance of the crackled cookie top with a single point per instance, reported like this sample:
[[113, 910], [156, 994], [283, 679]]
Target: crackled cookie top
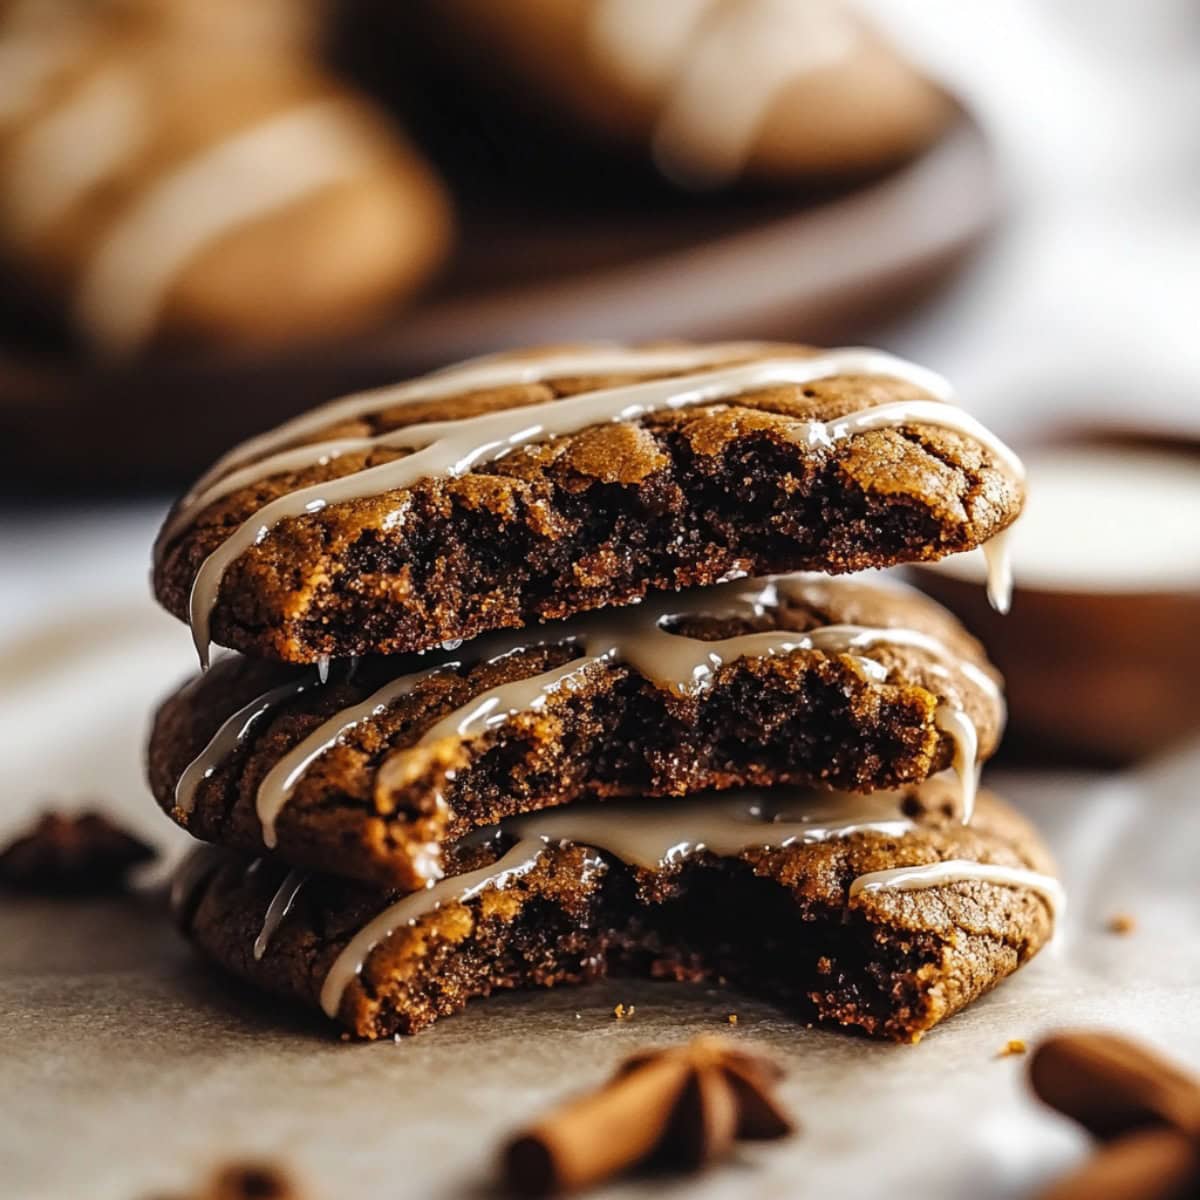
[[796, 679], [882, 912], [533, 486]]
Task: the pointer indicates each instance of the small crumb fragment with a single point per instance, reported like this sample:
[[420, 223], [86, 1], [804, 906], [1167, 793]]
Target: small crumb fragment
[[732, 1018], [1012, 1047], [624, 1012], [1121, 923]]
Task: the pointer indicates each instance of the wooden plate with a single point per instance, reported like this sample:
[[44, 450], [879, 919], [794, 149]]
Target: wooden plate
[[818, 269]]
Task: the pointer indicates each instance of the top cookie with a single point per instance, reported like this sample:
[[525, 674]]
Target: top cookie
[[533, 486]]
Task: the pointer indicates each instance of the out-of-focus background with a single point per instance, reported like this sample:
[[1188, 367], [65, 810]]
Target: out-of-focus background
[[214, 214]]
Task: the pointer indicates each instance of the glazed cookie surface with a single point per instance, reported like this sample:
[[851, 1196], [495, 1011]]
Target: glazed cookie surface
[[534, 486], [841, 683], [883, 913]]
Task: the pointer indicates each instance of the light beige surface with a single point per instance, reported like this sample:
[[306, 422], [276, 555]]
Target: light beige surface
[[126, 1066]]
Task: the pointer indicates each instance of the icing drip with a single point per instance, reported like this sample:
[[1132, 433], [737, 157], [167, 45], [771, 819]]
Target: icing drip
[[650, 835], [639, 636], [451, 448], [961, 730], [961, 870], [228, 737], [997, 553], [278, 909], [279, 783], [260, 170]]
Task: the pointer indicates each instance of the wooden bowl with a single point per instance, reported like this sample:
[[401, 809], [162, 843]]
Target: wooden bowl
[[1093, 676]]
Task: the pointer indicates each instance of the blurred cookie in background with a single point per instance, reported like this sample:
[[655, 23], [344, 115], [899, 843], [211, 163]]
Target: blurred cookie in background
[[160, 184], [714, 91]]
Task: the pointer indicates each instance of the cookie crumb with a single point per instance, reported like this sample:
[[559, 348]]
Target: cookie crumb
[[624, 1012], [1012, 1047], [1121, 923], [732, 1018], [62, 855]]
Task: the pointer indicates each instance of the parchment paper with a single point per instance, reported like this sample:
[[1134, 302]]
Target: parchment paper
[[128, 1067]]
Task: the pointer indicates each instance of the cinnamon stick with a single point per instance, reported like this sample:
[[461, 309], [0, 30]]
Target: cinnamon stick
[[1112, 1086], [598, 1135], [684, 1106]]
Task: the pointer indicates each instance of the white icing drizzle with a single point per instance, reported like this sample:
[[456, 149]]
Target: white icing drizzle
[[480, 374], [279, 783], [258, 171], [639, 636], [451, 448], [347, 966], [651, 834], [228, 737], [961, 730], [717, 69], [961, 870], [70, 149], [274, 451], [997, 553], [278, 909]]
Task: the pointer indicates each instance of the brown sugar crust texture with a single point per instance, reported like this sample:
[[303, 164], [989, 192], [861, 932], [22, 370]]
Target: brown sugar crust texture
[[592, 519], [804, 717], [773, 922]]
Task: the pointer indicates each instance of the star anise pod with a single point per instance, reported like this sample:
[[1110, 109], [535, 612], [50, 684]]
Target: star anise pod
[[682, 1106], [72, 855], [1144, 1109]]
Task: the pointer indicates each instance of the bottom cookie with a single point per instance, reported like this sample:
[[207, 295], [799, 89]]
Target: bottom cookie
[[881, 913]]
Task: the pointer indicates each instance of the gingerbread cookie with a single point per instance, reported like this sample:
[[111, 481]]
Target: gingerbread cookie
[[163, 188], [880, 913], [800, 679], [535, 486], [714, 90]]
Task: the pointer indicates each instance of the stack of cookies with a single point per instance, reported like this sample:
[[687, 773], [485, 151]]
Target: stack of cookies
[[544, 671]]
